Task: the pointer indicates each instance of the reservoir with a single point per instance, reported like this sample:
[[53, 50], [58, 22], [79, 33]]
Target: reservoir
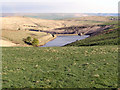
[[63, 40]]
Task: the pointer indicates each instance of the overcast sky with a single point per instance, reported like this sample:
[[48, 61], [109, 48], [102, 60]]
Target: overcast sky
[[59, 6]]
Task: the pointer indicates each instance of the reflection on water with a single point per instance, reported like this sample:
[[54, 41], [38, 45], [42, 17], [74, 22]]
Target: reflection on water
[[63, 40]]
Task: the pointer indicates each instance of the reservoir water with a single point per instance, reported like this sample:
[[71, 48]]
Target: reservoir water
[[63, 40]]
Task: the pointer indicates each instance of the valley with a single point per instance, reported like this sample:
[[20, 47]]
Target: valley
[[16, 28]]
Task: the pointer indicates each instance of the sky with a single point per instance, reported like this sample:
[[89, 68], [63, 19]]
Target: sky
[[59, 6]]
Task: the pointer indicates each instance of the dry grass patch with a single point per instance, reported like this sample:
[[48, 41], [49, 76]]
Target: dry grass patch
[[18, 36]]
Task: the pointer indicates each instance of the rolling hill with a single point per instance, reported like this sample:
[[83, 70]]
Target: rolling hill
[[21, 26], [105, 37]]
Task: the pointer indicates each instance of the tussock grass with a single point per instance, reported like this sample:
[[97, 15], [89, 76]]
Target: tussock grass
[[63, 67]]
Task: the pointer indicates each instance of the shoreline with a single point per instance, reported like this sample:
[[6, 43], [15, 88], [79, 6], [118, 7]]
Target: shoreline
[[8, 43], [66, 34], [42, 43], [86, 36], [55, 36]]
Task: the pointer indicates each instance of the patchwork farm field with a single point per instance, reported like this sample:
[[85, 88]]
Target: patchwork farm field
[[60, 67]]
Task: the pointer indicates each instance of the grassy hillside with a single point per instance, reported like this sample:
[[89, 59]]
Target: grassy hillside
[[14, 28], [15, 23], [91, 18], [106, 37], [63, 67], [18, 36], [54, 67]]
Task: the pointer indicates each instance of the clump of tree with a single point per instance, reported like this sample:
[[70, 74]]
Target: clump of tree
[[28, 39], [34, 42]]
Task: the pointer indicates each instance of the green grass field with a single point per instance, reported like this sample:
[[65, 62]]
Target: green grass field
[[60, 67]]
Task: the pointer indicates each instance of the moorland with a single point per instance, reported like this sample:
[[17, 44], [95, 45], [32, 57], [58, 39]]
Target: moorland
[[88, 63]]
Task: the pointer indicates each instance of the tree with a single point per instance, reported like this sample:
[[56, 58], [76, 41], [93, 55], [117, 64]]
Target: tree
[[28, 39], [35, 42]]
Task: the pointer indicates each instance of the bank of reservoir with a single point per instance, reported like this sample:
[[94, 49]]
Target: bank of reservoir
[[63, 40]]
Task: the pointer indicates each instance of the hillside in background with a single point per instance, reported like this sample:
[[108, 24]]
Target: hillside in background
[[105, 37], [27, 26], [53, 26], [56, 16]]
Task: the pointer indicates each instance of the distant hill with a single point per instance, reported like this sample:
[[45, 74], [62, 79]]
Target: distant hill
[[103, 14], [49, 16], [18, 22], [65, 26], [57, 16]]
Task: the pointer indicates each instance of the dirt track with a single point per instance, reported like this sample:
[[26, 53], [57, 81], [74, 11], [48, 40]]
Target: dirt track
[[4, 43]]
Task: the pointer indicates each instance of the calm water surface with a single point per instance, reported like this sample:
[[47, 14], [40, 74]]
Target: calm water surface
[[63, 40]]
